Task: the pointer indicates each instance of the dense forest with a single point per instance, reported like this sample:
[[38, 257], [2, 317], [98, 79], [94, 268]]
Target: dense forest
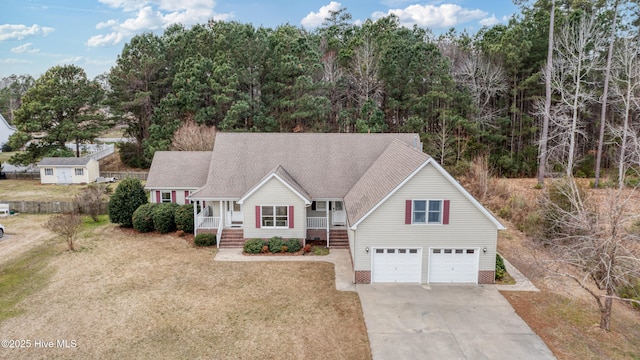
[[468, 95]]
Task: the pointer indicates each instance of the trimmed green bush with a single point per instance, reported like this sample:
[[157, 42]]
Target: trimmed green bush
[[204, 240], [293, 245], [275, 244], [143, 218], [183, 217], [501, 270], [163, 217], [129, 195], [254, 246]]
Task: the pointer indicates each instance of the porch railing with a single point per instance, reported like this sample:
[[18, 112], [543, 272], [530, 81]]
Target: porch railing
[[316, 222], [207, 222]]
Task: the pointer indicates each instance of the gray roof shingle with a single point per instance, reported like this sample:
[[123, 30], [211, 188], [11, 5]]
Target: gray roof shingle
[[395, 165], [325, 165], [64, 161], [178, 169]]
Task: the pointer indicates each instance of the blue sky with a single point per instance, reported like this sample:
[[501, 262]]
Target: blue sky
[[38, 34]]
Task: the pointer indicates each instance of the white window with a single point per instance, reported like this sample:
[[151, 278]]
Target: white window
[[79, 171], [321, 206], [166, 197], [48, 171], [427, 212], [275, 216]]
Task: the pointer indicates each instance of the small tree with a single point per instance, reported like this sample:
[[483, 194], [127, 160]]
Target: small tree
[[193, 137], [91, 199], [595, 247], [66, 226], [125, 200]]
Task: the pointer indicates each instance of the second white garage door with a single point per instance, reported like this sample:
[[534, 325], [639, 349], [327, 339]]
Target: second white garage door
[[402, 265], [447, 265]]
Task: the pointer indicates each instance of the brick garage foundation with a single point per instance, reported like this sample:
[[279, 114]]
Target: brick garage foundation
[[363, 277], [486, 277]]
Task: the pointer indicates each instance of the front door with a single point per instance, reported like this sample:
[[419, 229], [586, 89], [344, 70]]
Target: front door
[[338, 215], [234, 213]]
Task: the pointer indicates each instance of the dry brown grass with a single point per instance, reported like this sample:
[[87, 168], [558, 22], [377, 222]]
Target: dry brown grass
[[33, 190], [127, 295]]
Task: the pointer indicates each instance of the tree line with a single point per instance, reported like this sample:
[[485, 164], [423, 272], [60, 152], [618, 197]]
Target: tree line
[[467, 95]]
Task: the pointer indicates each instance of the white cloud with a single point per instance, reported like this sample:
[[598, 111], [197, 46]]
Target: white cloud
[[153, 15], [315, 19], [105, 40], [25, 48], [106, 24], [19, 31], [441, 16], [71, 60], [490, 21], [14, 61]]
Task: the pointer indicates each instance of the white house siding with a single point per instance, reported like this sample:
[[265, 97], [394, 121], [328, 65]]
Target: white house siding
[[385, 227], [180, 199], [48, 179], [274, 192]]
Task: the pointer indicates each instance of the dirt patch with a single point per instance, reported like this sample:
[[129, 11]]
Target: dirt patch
[[127, 295], [22, 233]]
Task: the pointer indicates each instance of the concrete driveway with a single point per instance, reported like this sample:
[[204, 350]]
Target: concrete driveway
[[445, 322]]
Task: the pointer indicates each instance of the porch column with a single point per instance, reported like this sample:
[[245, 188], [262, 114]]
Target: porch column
[[195, 218], [327, 215], [221, 225]]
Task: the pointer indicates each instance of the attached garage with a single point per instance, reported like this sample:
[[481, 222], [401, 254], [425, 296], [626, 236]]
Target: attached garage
[[396, 265], [451, 265]]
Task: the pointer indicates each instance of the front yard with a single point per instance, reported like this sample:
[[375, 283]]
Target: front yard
[[128, 295], [33, 190]]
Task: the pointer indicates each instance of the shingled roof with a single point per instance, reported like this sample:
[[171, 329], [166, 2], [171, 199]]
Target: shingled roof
[[324, 165], [178, 169], [393, 167], [64, 161]]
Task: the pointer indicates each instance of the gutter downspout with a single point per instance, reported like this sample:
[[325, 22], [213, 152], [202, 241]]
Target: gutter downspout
[[327, 216]]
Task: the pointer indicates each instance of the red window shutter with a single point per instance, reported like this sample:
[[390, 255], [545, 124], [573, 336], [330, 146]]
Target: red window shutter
[[157, 196], [186, 201], [257, 217], [407, 212], [173, 196], [445, 213], [290, 217]]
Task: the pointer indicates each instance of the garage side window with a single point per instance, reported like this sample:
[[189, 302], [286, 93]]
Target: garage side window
[[79, 171], [48, 171]]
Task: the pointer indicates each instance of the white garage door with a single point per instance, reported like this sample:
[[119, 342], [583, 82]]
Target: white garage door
[[449, 265], [401, 265]]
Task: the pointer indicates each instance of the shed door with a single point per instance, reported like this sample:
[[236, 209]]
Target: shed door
[[64, 175], [448, 265], [401, 265]]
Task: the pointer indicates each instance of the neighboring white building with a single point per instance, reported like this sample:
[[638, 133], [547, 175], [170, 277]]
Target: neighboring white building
[[6, 130], [68, 170]]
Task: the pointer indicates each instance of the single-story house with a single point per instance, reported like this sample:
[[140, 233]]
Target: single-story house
[[6, 130], [68, 170], [400, 214]]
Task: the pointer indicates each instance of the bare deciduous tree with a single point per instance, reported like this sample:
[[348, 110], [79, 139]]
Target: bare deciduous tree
[[363, 76], [193, 137], [577, 55], [485, 80], [544, 135], [625, 86], [93, 199], [592, 243], [66, 226]]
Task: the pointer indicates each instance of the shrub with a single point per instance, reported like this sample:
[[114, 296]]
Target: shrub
[[631, 292], [307, 248], [143, 218], [275, 244], [254, 246], [129, 195], [293, 245], [204, 240], [284, 249], [501, 270], [163, 217], [184, 218]]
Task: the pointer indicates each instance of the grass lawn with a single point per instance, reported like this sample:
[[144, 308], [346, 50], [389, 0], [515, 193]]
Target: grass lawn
[[128, 295], [33, 190]]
